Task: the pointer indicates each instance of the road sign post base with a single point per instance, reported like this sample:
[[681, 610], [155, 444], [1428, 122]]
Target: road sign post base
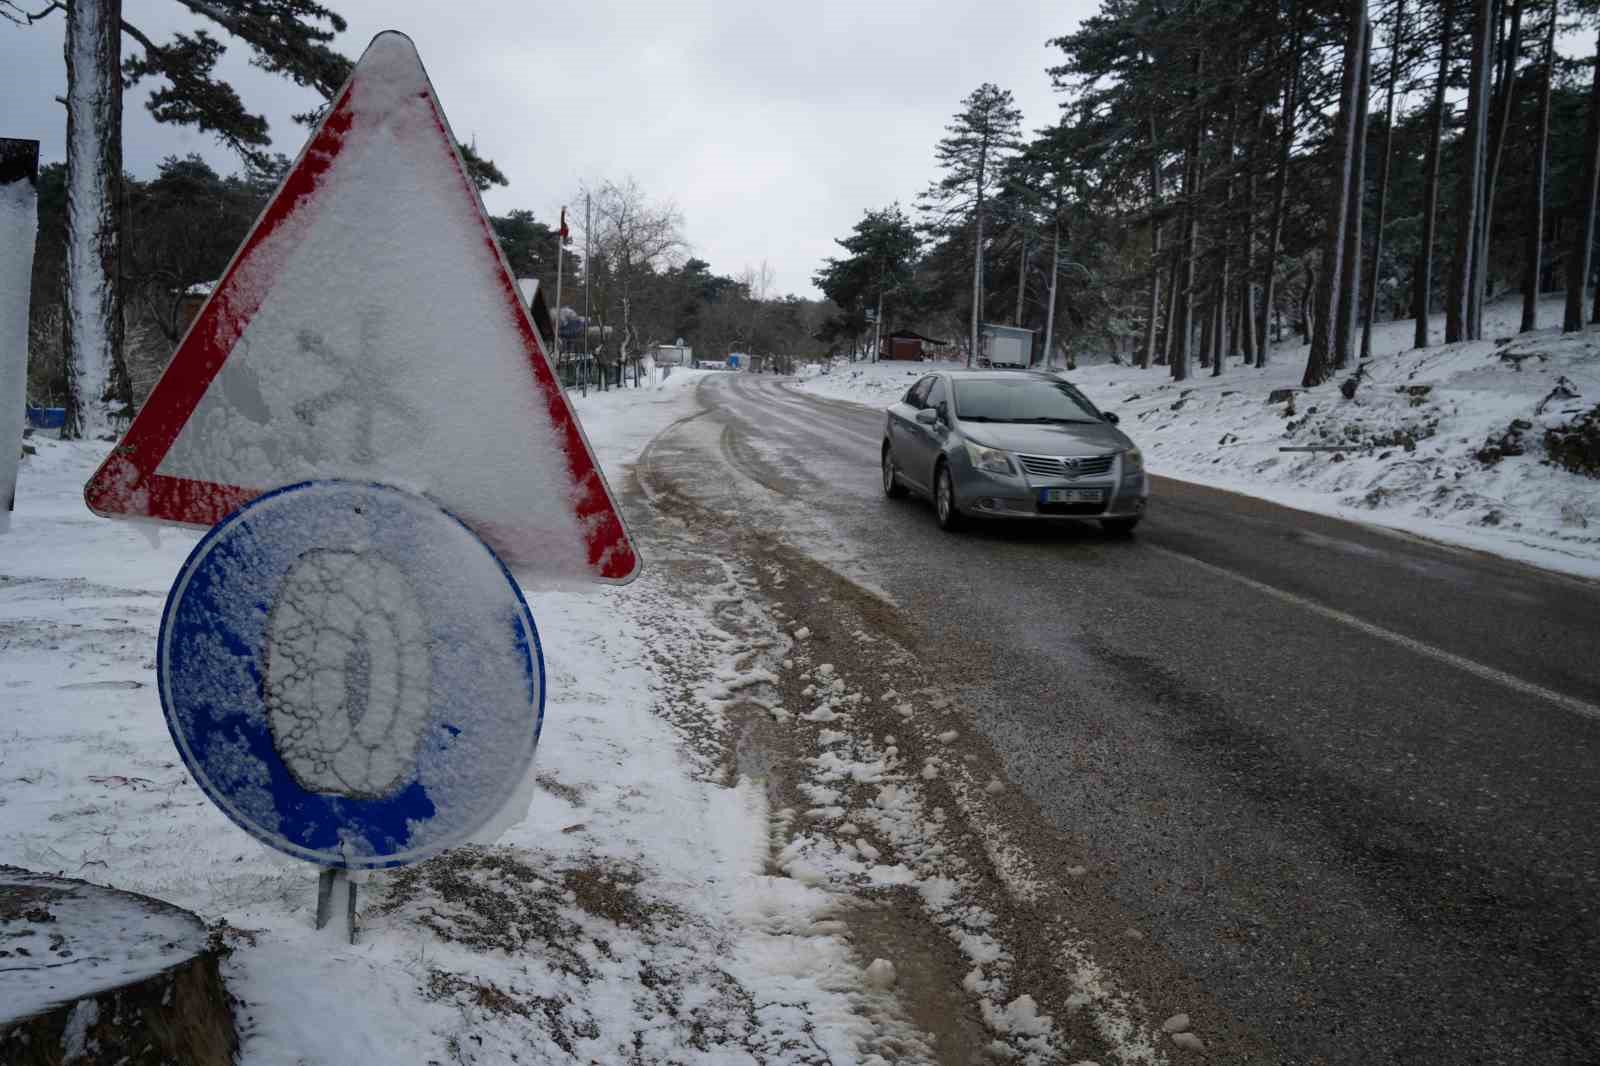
[[327, 897]]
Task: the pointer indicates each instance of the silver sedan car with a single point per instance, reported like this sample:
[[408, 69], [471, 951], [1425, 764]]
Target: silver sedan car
[[1012, 444]]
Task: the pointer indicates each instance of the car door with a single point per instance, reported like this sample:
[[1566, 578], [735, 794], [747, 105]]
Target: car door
[[906, 437], [929, 436]]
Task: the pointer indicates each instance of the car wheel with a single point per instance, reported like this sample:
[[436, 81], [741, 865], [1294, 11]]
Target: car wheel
[[1118, 527], [944, 500], [891, 476]]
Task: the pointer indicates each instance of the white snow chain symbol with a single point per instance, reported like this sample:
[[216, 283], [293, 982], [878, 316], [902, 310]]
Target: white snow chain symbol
[[348, 676]]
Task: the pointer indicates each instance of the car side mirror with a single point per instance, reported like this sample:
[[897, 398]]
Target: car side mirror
[[927, 416], [1111, 416]]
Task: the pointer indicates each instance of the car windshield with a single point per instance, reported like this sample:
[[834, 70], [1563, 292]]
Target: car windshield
[[1022, 400]]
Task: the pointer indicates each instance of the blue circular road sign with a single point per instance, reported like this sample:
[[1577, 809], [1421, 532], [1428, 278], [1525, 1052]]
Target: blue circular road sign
[[351, 674]]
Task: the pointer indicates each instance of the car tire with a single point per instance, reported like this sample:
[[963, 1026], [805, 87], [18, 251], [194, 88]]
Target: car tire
[[891, 476], [944, 499], [1119, 527]]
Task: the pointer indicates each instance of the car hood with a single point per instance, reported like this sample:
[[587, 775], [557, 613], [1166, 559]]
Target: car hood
[[1096, 438]]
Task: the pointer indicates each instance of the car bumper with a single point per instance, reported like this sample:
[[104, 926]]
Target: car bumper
[[996, 496]]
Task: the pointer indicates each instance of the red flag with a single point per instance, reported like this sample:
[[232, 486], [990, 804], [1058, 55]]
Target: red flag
[[566, 234]]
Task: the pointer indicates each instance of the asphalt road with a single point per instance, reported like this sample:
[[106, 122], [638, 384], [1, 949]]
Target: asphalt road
[[1347, 779]]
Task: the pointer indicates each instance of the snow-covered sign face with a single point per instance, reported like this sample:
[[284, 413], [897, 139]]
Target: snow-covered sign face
[[351, 674], [368, 330]]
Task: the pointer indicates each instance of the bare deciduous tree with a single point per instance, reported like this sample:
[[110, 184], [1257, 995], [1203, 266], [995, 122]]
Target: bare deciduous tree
[[634, 237]]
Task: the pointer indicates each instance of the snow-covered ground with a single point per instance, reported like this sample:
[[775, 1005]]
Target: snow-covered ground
[[1414, 435], [632, 916]]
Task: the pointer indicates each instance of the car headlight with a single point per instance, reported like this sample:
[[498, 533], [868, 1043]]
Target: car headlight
[[989, 460], [1132, 462]]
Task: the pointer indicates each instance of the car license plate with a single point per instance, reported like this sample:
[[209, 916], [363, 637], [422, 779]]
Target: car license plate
[[1071, 495]]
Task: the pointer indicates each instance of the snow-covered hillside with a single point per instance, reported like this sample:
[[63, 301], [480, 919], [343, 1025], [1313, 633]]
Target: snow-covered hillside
[[1447, 442]]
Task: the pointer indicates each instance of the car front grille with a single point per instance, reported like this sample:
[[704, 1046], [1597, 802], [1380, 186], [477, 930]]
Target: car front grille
[[1070, 467]]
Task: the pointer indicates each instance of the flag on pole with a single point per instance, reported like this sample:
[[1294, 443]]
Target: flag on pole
[[566, 234]]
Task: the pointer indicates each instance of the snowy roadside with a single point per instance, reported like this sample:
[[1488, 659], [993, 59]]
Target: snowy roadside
[[630, 917], [1446, 443]]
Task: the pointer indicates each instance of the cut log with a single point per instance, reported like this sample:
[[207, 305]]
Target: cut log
[[97, 976]]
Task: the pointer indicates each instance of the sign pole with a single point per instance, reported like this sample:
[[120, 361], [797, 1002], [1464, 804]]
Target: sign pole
[[327, 878]]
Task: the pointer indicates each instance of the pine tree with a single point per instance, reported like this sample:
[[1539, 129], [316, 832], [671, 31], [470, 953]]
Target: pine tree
[[1469, 186], [1350, 282], [1580, 258], [1504, 98], [1291, 100], [981, 136], [1541, 163], [1396, 35], [1422, 275], [1324, 337]]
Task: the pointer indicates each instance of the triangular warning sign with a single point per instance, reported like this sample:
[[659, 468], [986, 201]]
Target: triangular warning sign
[[369, 328]]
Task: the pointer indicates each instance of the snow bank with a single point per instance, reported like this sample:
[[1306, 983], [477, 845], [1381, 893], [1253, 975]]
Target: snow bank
[[1443, 442], [879, 384]]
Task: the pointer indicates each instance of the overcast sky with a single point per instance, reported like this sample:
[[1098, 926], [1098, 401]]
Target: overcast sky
[[772, 126]]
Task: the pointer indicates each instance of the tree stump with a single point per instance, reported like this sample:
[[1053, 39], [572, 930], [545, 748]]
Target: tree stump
[[96, 976]]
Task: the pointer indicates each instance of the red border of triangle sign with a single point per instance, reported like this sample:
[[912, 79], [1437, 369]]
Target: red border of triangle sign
[[127, 484]]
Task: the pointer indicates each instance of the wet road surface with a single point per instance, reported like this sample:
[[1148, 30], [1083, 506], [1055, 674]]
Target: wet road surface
[[1346, 779]]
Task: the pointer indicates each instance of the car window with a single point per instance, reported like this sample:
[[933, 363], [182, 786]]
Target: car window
[[918, 396], [940, 393], [1022, 399]]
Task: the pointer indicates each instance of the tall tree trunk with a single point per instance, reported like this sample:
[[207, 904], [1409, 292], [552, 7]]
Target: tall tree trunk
[[1219, 324], [977, 268], [1147, 351], [1324, 337], [1170, 316], [1422, 279], [1291, 87], [1022, 279], [1541, 163], [1469, 188], [1350, 283], [1397, 36], [1219, 351], [1055, 271], [93, 318], [1246, 324], [1499, 123], [1308, 299], [1191, 229], [1583, 239]]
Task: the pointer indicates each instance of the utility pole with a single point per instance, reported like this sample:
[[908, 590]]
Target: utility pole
[[561, 239], [588, 272]]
